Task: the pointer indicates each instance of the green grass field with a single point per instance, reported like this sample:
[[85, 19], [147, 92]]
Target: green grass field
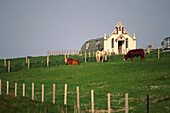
[[117, 77]]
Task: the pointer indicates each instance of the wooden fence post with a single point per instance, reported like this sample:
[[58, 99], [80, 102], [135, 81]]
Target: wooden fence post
[[158, 53], [85, 57], [9, 66], [53, 93], [42, 92], [78, 104], [108, 102], [126, 103], [155, 46], [15, 89], [73, 51], [67, 54], [65, 95], [59, 52], [23, 90], [32, 91], [54, 52], [0, 86], [77, 52], [26, 60], [92, 100], [47, 61], [93, 53], [7, 88], [65, 57], [4, 62], [70, 51], [28, 63], [89, 54], [62, 52], [50, 53]]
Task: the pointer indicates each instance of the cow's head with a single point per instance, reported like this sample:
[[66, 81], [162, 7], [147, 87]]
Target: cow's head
[[104, 52], [125, 57]]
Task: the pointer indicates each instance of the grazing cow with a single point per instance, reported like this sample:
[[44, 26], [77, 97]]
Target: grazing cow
[[135, 52], [72, 61], [100, 54]]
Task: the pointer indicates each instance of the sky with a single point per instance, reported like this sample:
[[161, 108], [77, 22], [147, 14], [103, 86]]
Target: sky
[[32, 27]]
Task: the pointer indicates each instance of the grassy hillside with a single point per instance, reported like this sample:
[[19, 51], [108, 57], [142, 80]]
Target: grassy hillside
[[116, 76], [12, 104]]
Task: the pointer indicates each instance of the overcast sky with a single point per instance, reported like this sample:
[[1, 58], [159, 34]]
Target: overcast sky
[[31, 27]]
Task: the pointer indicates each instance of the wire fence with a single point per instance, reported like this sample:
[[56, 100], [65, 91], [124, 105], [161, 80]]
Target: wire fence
[[137, 102], [36, 62]]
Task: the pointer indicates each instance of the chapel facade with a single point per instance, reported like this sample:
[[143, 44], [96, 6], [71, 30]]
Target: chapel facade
[[119, 41]]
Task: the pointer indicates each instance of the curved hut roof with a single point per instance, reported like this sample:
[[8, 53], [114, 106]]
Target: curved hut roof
[[92, 44]]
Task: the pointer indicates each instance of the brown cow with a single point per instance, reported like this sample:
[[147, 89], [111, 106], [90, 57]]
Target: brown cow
[[72, 61], [135, 52]]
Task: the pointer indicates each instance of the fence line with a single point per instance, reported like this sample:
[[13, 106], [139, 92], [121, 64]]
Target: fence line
[[28, 63], [4, 62], [51, 62], [65, 95], [126, 103], [78, 104], [53, 93], [23, 90], [15, 89], [32, 91], [9, 66], [108, 102], [92, 101], [42, 94], [68, 96]]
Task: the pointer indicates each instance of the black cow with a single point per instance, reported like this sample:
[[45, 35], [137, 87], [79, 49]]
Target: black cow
[[135, 52]]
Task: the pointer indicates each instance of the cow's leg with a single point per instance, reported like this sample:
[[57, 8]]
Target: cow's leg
[[143, 57], [102, 59], [140, 58], [131, 59], [97, 57]]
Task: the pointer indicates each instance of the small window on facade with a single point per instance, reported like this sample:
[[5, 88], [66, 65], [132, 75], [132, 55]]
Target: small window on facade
[[112, 42], [126, 42], [97, 42], [119, 28], [87, 45]]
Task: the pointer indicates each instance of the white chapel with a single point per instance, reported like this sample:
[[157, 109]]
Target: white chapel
[[119, 41]]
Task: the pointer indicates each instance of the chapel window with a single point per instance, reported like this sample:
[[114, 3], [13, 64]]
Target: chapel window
[[119, 28], [126, 42], [112, 42]]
